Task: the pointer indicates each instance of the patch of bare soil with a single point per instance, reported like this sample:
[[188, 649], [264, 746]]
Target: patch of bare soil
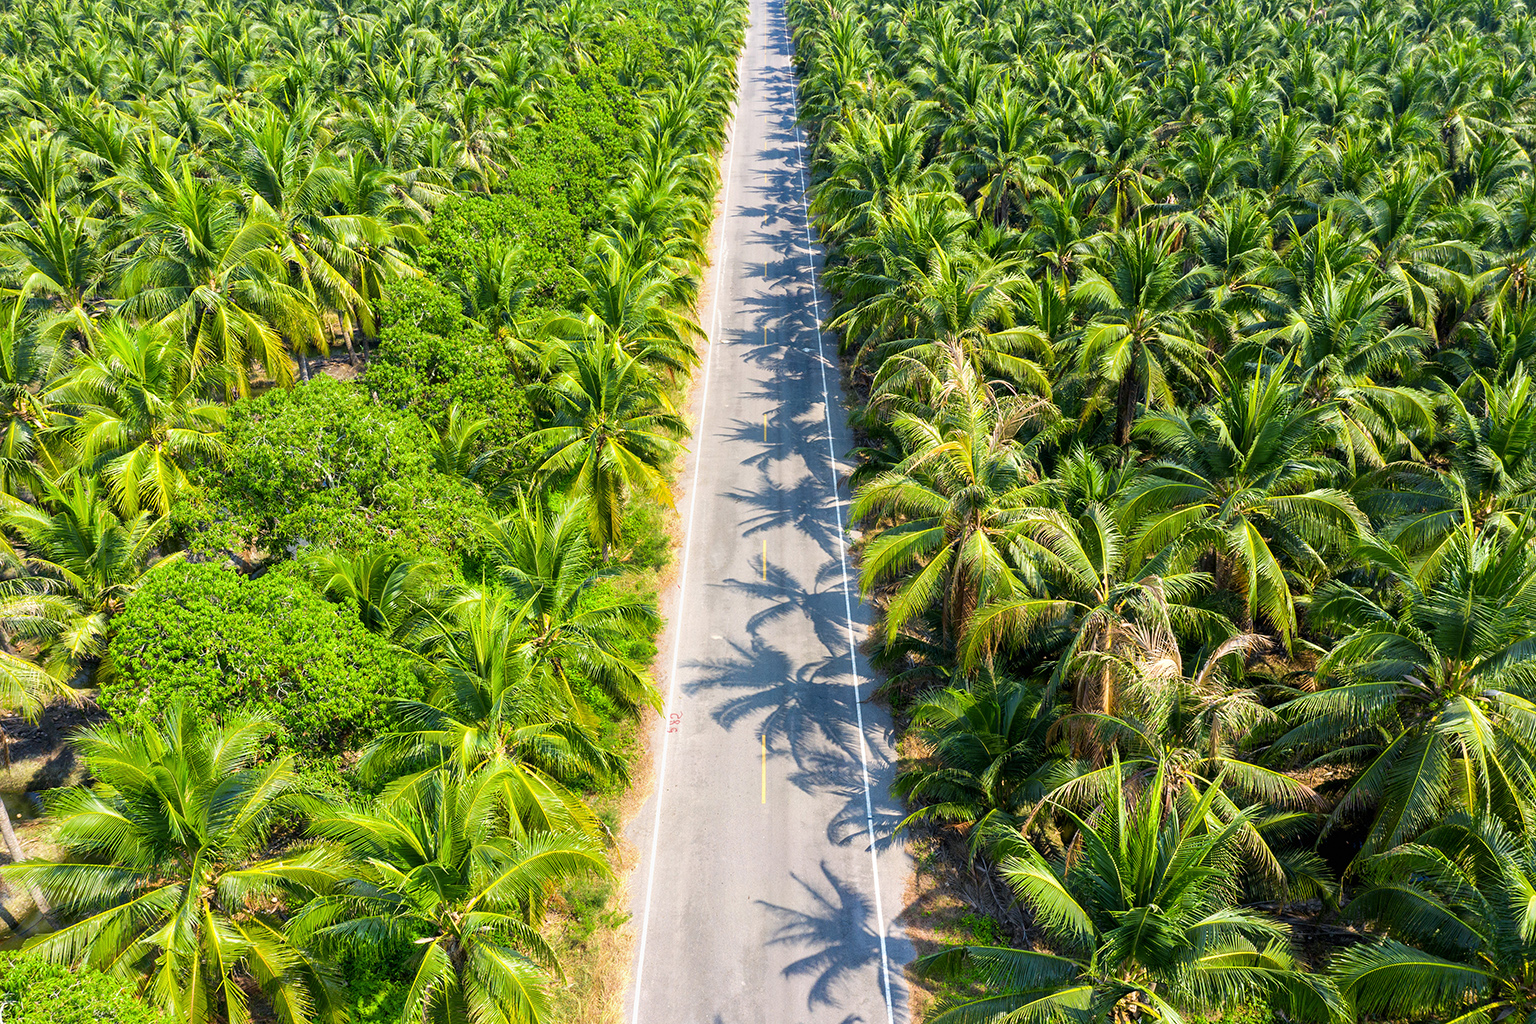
[[40, 756], [1319, 776], [953, 901], [339, 365], [40, 759], [1316, 933], [931, 918], [337, 368], [586, 922]]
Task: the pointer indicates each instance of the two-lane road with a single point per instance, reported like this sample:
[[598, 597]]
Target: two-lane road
[[767, 884]]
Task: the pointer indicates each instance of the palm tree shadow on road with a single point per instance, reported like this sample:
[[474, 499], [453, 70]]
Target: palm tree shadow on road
[[802, 712], [841, 949], [761, 682], [801, 507]]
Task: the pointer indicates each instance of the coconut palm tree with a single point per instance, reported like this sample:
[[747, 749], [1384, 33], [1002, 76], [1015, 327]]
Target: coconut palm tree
[[391, 594], [576, 631], [435, 867], [1195, 732], [988, 741], [29, 362], [214, 279], [1248, 488], [494, 284], [1146, 326], [492, 697], [459, 450], [611, 432], [1095, 594], [1429, 685], [1142, 917], [140, 417], [1456, 943], [874, 166], [1413, 237], [963, 301], [282, 161], [168, 871], [998, 165], [495, 712], [80, 563], [663, 212], [59, 256], [1490, 471], [636, 305], [950, 510], [1348, 351]]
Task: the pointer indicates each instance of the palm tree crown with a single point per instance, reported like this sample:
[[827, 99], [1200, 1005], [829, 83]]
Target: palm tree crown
[[167, 861], [434, 866]]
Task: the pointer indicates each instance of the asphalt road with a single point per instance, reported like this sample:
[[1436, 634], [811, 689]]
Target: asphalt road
[[767, 884]]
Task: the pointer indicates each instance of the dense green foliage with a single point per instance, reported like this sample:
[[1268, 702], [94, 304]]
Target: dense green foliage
[[324, 465], [1194, 340], [1456, 909], [419, 571], [432, 357], [36, 991], [215, 642], [287, 159], [439, 865]]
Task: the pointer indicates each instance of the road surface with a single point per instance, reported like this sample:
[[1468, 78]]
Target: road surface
[[767, 884]]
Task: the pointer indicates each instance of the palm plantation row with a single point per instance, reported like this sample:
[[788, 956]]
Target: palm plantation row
[[1194, 344], [368, 642]]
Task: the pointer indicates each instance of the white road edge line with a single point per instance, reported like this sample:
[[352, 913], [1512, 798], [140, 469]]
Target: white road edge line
[[842, 548], [682, 583]]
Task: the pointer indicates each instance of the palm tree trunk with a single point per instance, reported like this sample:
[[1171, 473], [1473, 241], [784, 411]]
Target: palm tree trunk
[[1125, 405], [303, 367], [951, 612], [12, 844]]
